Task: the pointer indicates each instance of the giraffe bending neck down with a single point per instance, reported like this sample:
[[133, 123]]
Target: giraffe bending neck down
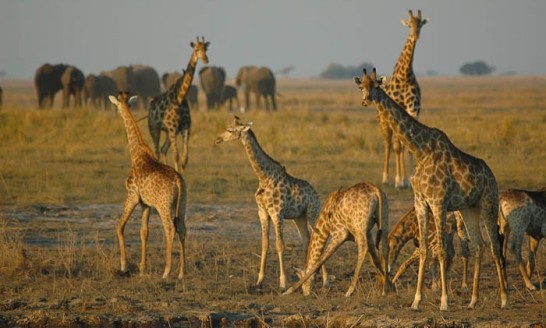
[[151, 184], [403, 88], [523, 212], [170, 111], [279, 196], [407, 229], [445, 179], [348, 214]]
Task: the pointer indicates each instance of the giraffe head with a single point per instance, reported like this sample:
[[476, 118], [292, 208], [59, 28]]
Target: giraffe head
[[123, 100], [367, 84], [234, 130], [200, 49], [414, 23]]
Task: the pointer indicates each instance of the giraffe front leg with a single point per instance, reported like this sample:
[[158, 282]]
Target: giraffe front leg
[[185, 144], [440, 221], [144, 237], [279, 244], [421, 210], [172, 138], [264, 222], [387, 142]]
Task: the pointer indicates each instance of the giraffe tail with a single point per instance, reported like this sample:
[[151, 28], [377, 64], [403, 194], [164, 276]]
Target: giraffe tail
[[380, 219], [180, 201]]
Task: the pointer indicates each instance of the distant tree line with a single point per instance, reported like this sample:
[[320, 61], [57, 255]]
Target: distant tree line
[[338, 71], [476, 68]]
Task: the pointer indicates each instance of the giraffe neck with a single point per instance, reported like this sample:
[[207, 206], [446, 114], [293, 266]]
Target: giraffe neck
[[399, 236], [263, 165], [137, 146], [178, 91], [403, 70], [414, 135]]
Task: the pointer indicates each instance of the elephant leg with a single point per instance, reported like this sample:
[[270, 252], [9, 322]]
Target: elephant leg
[[273, 103]]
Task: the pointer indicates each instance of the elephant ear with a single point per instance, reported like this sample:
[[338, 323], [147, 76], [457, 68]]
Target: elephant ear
[[113, 100], [132, 101]]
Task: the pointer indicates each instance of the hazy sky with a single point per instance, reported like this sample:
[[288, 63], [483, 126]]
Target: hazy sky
[[97, 35]]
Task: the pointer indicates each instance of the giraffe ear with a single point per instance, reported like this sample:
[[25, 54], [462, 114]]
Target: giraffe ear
[[113, 100], [404, 22], [357, 80], [132, 100], [207, 44], [192, 44]]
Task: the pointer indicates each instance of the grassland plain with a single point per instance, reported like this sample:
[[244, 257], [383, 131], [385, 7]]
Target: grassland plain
[[62, 178]]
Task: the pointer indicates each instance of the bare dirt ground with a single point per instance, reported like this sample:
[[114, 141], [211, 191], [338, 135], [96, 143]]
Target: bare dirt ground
[[64, 273]]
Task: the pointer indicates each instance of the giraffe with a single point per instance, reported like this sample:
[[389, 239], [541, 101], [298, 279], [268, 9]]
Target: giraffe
[[349, 214], [279, 196], [170, 110], [523, 212], [403, 88], [445, 179], [407, 229], [151, 184]]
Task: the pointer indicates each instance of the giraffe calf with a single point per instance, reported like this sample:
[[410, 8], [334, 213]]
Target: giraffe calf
[[349, 214], [407, 229], [523, 212]]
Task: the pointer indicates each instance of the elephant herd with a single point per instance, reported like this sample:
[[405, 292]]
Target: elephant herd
[[143, 81]]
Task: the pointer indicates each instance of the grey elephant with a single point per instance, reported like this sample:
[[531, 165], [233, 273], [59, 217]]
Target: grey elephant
[[147, 84], [124, 77], [49, 79], [212, 80], [97, 88], [261, 82], [229, 93], [192, 96]]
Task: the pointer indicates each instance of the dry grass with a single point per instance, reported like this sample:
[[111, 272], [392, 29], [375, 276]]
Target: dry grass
[[62, 178]]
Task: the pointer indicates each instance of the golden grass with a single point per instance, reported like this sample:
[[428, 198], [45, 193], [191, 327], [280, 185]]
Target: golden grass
[[321, 134]]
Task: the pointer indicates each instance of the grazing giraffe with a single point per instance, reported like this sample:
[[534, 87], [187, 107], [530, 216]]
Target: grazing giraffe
[[279, 196], [523, 212], [407, 229], [170, 110], [445, 179], [403, 88], [349, 214], [151, 184]]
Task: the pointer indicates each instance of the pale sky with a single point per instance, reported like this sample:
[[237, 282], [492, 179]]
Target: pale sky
[[97, 35]]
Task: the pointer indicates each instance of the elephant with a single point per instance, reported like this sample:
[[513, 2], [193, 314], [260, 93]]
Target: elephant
[[260, 81], [193, 93], [212, 80], [147, 84], [49, 79], [97, 88], [124, 77], [229, 93]]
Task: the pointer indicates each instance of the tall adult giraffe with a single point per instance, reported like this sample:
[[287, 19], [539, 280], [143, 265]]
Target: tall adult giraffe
[[279, 196], [151, 184], [403, 88], [170, 111], [445, 179]]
